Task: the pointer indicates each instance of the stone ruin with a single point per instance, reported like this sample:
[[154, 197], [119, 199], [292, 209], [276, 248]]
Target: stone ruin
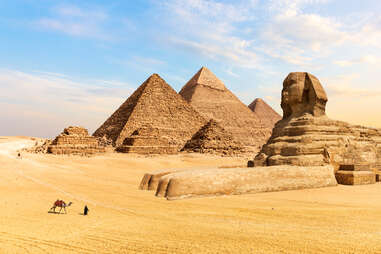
[[40, 147], [213, 139], [75, 140], [155, 119], [209, 96], [307, 137]]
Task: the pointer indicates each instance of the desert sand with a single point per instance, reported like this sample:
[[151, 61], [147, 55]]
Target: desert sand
[[123, 219]]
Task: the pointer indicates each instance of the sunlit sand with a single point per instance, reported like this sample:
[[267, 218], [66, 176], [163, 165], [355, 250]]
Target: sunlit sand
[[123, 219]]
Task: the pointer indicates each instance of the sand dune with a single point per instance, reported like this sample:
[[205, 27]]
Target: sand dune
[[123, 219]]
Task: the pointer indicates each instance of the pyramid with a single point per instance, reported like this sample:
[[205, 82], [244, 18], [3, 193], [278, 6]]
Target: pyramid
[[212, 138], [75, 140], [153, 105], [266, 113], [209, 96]]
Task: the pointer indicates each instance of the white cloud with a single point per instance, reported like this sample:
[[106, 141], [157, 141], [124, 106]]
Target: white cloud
[[48, 103], [208, 28], [370, 59], [76, 21], [302, 38]]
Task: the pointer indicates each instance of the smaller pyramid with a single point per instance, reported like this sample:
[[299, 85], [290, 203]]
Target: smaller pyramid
[[212, 138], [75, 140], [265, 112], [148, 140]]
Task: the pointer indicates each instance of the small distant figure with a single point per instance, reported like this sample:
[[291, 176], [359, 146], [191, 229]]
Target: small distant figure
[[85, 210], [19, 155]]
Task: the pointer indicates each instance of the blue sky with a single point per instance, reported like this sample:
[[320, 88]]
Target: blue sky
[[74, 62]]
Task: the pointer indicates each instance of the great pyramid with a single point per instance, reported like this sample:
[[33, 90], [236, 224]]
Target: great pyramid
[[212, 138], [266, 113], [153, 105], [209, 96]]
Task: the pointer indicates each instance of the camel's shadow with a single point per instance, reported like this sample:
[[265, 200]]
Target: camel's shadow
[[55, 212]]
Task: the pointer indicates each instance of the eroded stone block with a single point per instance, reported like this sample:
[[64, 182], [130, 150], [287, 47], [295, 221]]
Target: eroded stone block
[[355, 177]]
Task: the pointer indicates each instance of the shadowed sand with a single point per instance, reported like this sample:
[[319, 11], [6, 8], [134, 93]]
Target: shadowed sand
[[124, 219]]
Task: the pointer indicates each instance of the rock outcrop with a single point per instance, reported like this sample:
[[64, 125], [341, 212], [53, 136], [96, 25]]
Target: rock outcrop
[[307, 137], [154, 119], [209, 96], [75, 140], [212, 138], [267, 114]]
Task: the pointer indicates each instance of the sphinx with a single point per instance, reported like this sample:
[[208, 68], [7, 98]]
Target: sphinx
[[307, 137], [306, 150]]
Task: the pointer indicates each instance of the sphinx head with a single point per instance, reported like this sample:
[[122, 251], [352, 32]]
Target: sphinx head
[[302, 93]]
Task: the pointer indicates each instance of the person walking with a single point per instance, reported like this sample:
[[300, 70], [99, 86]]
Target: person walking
[[85, 210]]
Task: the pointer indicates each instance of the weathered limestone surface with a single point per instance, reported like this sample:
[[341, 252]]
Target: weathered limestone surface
[[75, 140], [149, 140], [199, 183], [267, 114], [355, 177], [212, 138], [209, 96], [151, 180], [307, 137], [155, 107]]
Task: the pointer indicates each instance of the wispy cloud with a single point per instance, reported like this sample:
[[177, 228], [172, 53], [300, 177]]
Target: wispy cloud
[[208, 28], [56, 101], [90, 22], [370, 59]]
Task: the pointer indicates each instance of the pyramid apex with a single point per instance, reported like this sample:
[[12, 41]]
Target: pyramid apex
[[154, 76], [206, 77]]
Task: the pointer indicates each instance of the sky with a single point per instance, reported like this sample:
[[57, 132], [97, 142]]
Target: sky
[[74, 62]]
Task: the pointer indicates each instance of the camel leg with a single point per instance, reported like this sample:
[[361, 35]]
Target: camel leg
[[59, 212]]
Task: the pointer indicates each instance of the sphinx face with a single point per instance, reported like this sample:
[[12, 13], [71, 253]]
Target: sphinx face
[[292, 93], [302, 93]]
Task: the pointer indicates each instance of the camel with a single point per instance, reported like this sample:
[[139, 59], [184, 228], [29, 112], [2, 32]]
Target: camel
[[61, 204]]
